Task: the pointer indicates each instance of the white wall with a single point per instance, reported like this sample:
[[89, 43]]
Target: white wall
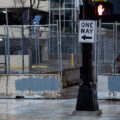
[[16, 60], [16, 31], [11, 4]]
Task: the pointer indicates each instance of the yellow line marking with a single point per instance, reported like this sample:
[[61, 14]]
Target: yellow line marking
[[39, 66], [34, 66]]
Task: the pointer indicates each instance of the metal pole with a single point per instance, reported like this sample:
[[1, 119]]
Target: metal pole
[[5, 50], [99, 43], [49, 28], [58, 46], [36, 53], [30, 48], [39, 51], [22, 47], [95, 50], [115, 49], [8, 41], [64, 16], [60, 43]]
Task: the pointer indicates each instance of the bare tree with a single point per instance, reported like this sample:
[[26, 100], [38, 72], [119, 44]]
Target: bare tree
[[34, 4], [20, 3]]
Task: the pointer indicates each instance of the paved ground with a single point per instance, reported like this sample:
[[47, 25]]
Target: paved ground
[[53, 110]]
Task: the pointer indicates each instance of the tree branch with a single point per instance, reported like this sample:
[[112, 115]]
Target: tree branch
[[33, 3], [38, 3], [15, 2]]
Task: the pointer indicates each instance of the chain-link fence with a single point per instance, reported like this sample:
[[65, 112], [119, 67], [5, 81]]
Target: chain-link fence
[[36, 49], [108, 48]]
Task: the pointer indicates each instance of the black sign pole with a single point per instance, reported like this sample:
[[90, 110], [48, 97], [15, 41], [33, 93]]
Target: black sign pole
[[87, 96]]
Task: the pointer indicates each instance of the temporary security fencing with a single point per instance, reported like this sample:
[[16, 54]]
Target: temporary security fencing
[[108, 48], [36, 49]]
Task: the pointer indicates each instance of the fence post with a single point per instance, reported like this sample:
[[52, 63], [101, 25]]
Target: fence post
[[98, 47], [36, 52], [95, 53], [49, 6], [60, 44], [113, 48], [5, 50], [116, 49], [8, 42], [39, 50], [22, 47]]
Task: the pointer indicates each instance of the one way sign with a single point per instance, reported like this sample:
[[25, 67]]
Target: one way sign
[[87, 31]]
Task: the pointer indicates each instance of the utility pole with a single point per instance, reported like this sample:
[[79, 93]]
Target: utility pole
[[87, 95]]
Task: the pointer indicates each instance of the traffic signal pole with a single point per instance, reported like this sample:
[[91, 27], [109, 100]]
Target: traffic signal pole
[[87, 95]]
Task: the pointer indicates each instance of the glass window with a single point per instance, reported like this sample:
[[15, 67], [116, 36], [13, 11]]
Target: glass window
[[68, 14], [54, 4]]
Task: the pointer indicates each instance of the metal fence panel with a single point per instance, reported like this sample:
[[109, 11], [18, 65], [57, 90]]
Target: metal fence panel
[[108, 48], [36, 49]]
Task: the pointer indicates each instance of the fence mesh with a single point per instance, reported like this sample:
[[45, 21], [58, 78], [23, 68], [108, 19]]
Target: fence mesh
[[108, 48], [35, 49]]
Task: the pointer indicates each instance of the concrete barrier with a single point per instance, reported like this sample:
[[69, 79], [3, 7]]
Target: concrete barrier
[[114, 83], [37, 84], [32, 84], [71, 77], [108, 87], [103, 84], [102, 87]]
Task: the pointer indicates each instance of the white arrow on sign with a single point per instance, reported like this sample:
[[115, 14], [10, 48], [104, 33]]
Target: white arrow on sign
[[86, 31]]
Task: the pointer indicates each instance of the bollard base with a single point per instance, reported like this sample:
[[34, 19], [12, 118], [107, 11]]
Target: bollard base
[[87, 99]]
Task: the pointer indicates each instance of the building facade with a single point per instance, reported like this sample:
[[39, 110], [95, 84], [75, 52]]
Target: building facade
[[23, 11], [66, 12]]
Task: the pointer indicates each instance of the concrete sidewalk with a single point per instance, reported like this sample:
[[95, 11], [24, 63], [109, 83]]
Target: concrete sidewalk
[[54, 110]]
